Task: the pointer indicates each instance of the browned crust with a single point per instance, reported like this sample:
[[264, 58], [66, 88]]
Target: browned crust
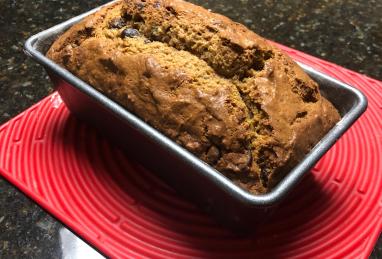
[[254, 120]]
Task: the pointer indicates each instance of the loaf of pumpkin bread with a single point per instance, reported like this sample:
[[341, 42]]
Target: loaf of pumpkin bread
[[210, 84]]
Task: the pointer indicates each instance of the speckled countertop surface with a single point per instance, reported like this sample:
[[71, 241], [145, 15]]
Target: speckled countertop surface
[[345, 32]]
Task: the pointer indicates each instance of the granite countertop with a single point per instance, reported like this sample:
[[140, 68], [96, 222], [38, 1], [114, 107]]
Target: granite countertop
[[346, 32]]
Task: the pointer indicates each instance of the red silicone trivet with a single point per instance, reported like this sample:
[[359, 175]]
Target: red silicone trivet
[[125, 211]]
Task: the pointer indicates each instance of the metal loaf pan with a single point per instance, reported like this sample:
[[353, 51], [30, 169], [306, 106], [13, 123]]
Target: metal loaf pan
[[190, 176]]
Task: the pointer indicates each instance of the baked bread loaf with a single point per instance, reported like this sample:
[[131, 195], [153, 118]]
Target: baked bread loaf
[[210, 84]]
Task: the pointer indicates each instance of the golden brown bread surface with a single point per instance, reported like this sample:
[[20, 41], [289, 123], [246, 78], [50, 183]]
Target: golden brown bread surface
[[208, 83]]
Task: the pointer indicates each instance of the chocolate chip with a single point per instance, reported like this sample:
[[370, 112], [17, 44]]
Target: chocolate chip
[[127, 16], [213, 154], [211, 29], [171, 9], [138, 18], [131, 33], [117, 23], [147, 74]]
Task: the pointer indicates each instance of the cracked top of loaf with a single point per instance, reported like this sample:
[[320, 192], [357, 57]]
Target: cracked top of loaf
[[210, 84]]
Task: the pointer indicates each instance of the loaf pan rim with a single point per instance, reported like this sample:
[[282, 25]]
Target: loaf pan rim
[[261, 200]]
